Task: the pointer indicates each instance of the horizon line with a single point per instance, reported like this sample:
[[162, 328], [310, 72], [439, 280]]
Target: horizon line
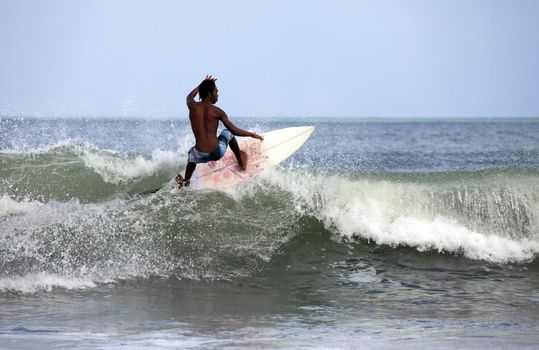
[[170, 117]]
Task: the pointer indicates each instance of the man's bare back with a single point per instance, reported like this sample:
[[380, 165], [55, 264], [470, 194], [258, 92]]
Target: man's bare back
[[204, 118]]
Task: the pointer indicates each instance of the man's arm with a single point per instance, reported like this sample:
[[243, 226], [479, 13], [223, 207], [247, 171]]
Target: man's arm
[[235, 130], [191, 97]]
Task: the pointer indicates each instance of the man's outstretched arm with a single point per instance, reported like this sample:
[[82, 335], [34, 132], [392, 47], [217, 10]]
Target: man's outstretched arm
[[234, 129]]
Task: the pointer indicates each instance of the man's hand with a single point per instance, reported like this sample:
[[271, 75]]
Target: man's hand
[[256, 136], [209, 77], [191, 97]]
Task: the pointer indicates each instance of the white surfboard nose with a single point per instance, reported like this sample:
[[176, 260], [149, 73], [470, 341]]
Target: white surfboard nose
[[281, 144]]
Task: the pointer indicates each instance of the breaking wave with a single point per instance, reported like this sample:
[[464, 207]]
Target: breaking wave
[[70, 216]]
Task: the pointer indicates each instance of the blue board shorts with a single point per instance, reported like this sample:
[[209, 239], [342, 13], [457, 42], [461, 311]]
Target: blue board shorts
[[195, 156]]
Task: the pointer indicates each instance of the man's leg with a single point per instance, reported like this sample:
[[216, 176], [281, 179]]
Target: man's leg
[[189, 171], [240, 155]]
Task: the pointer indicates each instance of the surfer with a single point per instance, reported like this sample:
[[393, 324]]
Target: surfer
[[204, 117]]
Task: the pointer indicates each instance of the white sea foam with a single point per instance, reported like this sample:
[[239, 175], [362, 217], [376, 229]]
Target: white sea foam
[[10, 206], [397, 214], [438, 234], [35, 282], [363, 276]]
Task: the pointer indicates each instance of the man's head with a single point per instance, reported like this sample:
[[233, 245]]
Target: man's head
[[208, 90]]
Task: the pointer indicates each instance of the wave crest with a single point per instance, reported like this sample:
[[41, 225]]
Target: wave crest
[[494, 219]]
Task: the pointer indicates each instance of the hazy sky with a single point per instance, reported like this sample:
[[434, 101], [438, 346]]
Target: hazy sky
[[271, 58]]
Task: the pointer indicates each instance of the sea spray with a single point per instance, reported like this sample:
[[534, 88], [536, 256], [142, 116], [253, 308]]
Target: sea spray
[[183, 235]]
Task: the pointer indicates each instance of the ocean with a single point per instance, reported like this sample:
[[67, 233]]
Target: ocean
[[377, 233]]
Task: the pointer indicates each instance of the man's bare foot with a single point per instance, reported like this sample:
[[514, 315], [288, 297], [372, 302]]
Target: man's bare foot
[[181, 182], [243, 163]]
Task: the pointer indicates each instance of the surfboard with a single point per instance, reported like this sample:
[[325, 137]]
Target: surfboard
[[277, 146]]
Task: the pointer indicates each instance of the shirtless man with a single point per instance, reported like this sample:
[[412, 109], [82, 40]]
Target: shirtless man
[[204, 118]]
